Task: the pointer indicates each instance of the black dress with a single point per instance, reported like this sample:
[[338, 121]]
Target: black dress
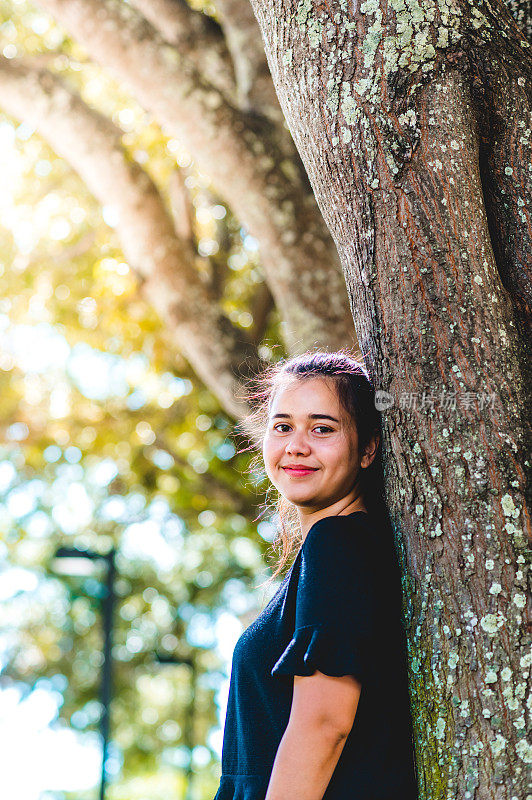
[[338, 610]]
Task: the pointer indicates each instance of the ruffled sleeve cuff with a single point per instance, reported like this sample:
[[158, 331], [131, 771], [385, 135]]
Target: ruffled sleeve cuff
[[317, 647]]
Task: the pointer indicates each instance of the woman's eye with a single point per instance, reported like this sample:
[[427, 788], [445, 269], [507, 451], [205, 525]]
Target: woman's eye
[[324, 428]]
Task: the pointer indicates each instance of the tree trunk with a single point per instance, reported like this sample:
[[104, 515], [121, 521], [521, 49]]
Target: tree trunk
[[413, 122]]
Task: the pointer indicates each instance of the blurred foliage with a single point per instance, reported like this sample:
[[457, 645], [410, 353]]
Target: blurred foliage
[[110, 440]]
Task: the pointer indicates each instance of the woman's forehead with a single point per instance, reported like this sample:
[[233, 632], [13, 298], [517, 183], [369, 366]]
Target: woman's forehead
[[314, 394]]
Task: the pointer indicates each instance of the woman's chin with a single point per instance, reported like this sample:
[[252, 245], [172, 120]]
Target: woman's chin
[[299, 496]]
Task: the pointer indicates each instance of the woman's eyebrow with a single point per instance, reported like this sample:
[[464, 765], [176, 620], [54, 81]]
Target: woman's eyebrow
[[310, 416]]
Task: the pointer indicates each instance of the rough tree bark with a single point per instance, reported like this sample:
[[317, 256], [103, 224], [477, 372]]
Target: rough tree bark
[[522, 13], [413, 121]]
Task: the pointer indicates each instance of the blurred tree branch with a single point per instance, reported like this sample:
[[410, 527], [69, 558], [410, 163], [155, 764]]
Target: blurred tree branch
[[197, 37], [91, 143], [255, 87], [245, 156]]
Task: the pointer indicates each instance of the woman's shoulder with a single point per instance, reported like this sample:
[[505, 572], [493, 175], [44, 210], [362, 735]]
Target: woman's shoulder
[[351, 530], [352, 547]]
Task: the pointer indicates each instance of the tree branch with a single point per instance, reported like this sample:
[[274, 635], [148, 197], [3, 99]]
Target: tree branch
[[254, 81], [181, 205], [262, 305], [196, 36], [92, 145], [241, 153]]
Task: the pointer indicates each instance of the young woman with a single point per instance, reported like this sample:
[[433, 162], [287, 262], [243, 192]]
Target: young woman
[[318, 705]]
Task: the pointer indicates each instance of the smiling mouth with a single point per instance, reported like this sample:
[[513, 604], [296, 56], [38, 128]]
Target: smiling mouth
[[299, 471]]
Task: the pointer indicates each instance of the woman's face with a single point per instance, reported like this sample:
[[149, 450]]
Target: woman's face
[[308, 427]]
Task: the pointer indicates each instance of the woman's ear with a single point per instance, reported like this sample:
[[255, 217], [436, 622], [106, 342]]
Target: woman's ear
[[370, 451]]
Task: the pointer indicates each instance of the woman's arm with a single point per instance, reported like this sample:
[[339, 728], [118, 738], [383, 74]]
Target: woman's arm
[[322, 714]]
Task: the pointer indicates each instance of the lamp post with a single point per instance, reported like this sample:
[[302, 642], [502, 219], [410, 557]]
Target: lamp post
[[74, 561], [188, 733]]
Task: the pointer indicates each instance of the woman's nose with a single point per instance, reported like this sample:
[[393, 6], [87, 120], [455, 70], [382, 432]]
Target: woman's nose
[[297, 444]]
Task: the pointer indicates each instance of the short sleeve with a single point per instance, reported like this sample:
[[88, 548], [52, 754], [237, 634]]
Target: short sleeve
[[335, 604]]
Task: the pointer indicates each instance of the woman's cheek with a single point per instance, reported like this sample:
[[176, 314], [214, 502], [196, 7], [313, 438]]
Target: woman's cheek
[[268, 456]]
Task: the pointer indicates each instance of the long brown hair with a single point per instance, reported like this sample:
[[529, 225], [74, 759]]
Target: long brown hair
[[356, 393]]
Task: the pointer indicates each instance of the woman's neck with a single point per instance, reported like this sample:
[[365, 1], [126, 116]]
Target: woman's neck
[[308, 518]]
